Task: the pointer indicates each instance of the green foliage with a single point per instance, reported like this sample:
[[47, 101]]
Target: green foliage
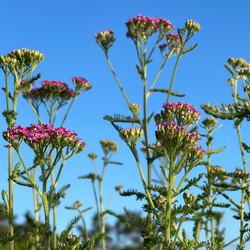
[[164, 90]]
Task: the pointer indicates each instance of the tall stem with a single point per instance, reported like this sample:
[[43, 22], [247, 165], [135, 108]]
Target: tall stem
[[169, 200]]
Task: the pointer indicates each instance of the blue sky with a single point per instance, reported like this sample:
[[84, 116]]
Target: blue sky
[[63, 32]]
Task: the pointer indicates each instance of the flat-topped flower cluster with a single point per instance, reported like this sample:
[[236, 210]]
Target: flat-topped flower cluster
[[105, 39], [50, 88], [131, 135], [143, 27], [179, 112], [173, 134], [43, 135], [81, 84], [21, 59]]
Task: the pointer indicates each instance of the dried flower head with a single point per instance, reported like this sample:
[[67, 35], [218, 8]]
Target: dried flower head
[[105, 39], [109, 146], [77, 205], [92, 156], [131, 135], [118, 188]]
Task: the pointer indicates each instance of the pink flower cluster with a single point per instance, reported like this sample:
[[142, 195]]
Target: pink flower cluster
[[173, 42], [177, 138], [146, 26], [105, 39], [51, 88], [42, 133], [180, 112], [81, 84], [180, 105]]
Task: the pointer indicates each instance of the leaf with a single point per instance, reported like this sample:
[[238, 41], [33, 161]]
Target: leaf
[[69, 227], [5, 238], [121, 118], [150, 117], [164, 90], [122, 218], [190, 48], [216, 151], [6, 200], [115, 162], [139, 195], [246, 148]]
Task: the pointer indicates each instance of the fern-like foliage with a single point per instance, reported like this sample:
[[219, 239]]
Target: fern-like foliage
[[246, 147], [122, 218], [139, 195], [190, 183], [166, 91], [229, 112], [65, 233], [89, 245], [121, 118], [54, 198], [5, 238]]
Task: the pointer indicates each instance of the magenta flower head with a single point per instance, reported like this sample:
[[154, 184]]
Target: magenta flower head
[[173, 42], [142, 27], [182, 113], [39, 137], [81, 84], [57, 90], [175, 138], [105, 39]]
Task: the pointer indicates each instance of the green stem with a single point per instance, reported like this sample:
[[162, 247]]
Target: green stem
[[124, 94], [97, 206], [242, 156], [173, 75], [102, 215], [68, 110], [169, 200], [242, 219]]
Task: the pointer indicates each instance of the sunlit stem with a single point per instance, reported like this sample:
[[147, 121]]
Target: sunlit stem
[[176, 64], [148, 194], [84, 225], [68, 110], [169, 199], [209, 170], [124, 94], [242, 230], [97, 206]]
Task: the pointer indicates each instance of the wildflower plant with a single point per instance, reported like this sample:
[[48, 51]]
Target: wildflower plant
[[237, 111], [39, 138], [173, 124], [53, 95], [109, 148], [19, 64]]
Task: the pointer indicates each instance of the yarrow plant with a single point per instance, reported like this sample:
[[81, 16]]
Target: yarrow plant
[[177, 144], [39, 138], [109, 148]]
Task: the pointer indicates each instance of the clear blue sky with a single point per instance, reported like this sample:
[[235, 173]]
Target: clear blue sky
[[63, 31]]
